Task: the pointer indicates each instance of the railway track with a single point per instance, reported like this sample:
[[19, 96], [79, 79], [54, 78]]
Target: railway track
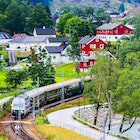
[[20, 131]]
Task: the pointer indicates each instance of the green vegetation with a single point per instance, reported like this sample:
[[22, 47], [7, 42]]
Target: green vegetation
[[2, 136]]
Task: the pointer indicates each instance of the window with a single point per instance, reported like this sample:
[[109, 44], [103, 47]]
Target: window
[[83, 52], [54, 57], [91, 63], [97, 39], [126, 31], [85, 64], [83, 45], [101, 46], [18, 47], [93, 46]]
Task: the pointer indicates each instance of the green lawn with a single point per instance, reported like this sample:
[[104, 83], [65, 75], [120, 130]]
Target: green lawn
[[2, 78]]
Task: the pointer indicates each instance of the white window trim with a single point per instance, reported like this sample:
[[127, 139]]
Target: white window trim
[[101, 46]]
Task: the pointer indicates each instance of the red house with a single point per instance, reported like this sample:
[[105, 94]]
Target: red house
[[88, 45], [114, 31]]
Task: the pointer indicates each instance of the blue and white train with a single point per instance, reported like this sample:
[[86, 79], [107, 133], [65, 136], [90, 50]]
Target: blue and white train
[[45, 95]]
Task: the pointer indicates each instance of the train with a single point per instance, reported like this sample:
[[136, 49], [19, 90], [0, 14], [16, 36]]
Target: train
[[36, 98]]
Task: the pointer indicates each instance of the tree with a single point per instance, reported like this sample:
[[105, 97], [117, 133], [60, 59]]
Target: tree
[[62, 21], [82, 26], [126, 98], [78, 12], [137, 27], [74, 50], [3, 5], [106, 73], [65, 9], [15, 78], [121, 7], [126, 48], [15, 18], [40, 67], [38, 18], [89, 12], [101, 16]]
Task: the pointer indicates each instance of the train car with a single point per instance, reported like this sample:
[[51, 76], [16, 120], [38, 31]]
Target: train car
[[46, 94], [21, 104]]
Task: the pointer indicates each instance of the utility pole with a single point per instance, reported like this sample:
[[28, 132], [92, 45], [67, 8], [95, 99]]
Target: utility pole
[[33, 108], [38, 103], [62, 94], [19, 124]]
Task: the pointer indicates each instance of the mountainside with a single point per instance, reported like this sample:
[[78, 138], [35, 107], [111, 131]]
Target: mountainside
[[110, 5]]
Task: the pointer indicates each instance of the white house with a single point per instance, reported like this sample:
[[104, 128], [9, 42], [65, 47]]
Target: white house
[[58, 53]]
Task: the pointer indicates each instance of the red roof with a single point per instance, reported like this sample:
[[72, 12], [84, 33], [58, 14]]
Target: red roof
[[18, 35]]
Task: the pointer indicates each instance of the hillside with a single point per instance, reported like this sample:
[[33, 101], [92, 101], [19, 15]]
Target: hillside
[[110, 5]]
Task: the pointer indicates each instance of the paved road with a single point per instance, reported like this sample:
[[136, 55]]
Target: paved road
[[63, 118]]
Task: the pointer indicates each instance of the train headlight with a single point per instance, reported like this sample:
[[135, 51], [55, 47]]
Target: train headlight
[[22, 111]]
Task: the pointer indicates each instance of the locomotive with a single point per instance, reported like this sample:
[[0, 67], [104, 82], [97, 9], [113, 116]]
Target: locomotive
[[38, 97]]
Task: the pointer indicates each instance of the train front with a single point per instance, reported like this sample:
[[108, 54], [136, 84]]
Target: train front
[[18, 108]]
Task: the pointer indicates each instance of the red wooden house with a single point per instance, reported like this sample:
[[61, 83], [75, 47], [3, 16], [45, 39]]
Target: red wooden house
[[88, 45], [113, 31]]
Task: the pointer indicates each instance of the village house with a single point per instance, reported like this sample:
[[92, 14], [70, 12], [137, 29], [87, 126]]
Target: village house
[[44, 37], [89, 46], [113, 32]]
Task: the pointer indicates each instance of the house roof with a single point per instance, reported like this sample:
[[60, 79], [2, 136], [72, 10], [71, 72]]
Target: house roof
[[25, 39], [18, 35], [4, 35], [108, 26], [86, 39], [55, 49], [58, 39], [45, 31]]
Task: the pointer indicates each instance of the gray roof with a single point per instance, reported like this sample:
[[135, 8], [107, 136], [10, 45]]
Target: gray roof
[[4, 35], [25, 39], [108, 26], [86, 39], [55, 49], [45, 31], [58, 39]]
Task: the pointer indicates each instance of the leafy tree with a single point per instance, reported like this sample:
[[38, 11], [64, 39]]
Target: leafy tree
[[137, 27], [40, 67], [89, 12], [15, 78], [121, 7], [74, 50], [126, 48], [82, 26], [3, 5], [62, 21], [106, 73], [38, 18], [78, 12], [126, 98], [101, 16], [65, 9], [15, 18]]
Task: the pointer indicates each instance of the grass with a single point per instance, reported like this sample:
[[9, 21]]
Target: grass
[[57, 133], [2, 78]]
